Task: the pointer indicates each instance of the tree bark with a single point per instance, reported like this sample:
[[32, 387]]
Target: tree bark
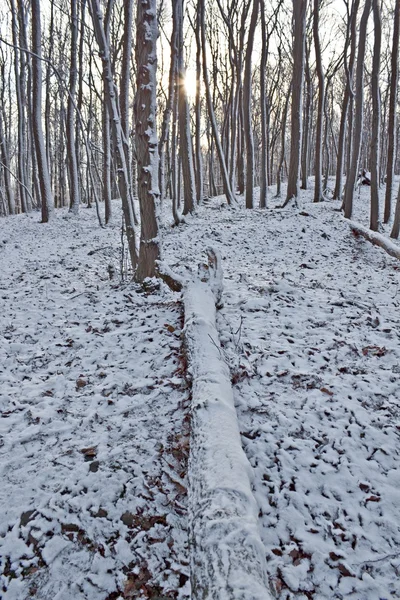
[[71, 146], [358, 120], [391, 131], [185, 136], [224, 172], [247, 108], [146, 136], [299, 16], [46, 196], [122, 167], [318, 192], [376, 117]]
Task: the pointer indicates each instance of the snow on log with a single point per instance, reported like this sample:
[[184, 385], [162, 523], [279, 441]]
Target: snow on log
[[376, 238], [227, 555]]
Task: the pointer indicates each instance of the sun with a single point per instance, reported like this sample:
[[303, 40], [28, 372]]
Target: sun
[[190, 83]]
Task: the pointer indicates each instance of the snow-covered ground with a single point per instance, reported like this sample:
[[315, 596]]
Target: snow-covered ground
[[94, 405], [94, 426], [310, 327]]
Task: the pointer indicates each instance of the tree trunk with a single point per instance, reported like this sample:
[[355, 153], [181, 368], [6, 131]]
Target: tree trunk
[[46, 196], [358, 124], [71, 147], [376, 116], [199, 159], [9, 192], [394, 76], [318, 192], [146, 136], [263, 105], [299, 16], [305, 167], [228, 192], [185, 136], [122, 167], [247, 109]]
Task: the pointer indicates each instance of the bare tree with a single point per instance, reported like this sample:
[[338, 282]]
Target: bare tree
[[299, 17], [394, 77], [146, 136], [46, 195], [185, 136], [72, 156], [247, 108], [318, 192], [227, 186], [118, 134], [358, 121], [376, 117]]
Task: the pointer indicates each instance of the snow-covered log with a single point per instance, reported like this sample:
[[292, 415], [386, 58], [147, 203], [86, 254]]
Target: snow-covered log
[[376, 238], [227, 555]]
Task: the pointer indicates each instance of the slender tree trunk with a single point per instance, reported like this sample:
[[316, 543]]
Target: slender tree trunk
[[299, 16], [318, 192], [306, 126], [376, 116], [394, 77], [283, 144], [21, 113], [358, 124], [247, 108], [169, 110], [122, 167], [72, 160], [225, 177], [263, 106], [199, 159], [185, 136], [9, 192], [46, 196]]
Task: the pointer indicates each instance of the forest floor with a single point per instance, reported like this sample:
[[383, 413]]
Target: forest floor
[[94, 404]]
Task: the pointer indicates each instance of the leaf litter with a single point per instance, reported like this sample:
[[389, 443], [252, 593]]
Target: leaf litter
[[94, 405]]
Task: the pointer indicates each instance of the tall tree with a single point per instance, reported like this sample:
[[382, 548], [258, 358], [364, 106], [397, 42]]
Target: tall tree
[[299, 18], [72, 159], [376, 117], [394, 77], [227, 186], [146, 136], [351, 37], [358, 118], [46, 195], [185, 136], [248, 108], [318, 192], [117, 131]]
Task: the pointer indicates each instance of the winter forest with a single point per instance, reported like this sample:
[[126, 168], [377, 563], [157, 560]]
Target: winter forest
[[199, 300]]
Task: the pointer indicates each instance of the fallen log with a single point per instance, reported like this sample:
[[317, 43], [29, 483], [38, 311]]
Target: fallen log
[[227, 555], [376, 238]]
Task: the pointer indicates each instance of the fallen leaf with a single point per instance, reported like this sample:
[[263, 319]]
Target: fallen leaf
[[344, 570], [326, 391]]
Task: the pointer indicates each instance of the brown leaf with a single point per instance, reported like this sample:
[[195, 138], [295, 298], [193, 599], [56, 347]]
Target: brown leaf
[[334, 556], [169, 328], [80, 383], [373, 499], [364, 487], [326, 391], [344, 570], [89, 452], [276, 551]]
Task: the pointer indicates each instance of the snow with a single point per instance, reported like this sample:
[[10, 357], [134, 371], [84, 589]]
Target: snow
[[310, 328], [94, 428]]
